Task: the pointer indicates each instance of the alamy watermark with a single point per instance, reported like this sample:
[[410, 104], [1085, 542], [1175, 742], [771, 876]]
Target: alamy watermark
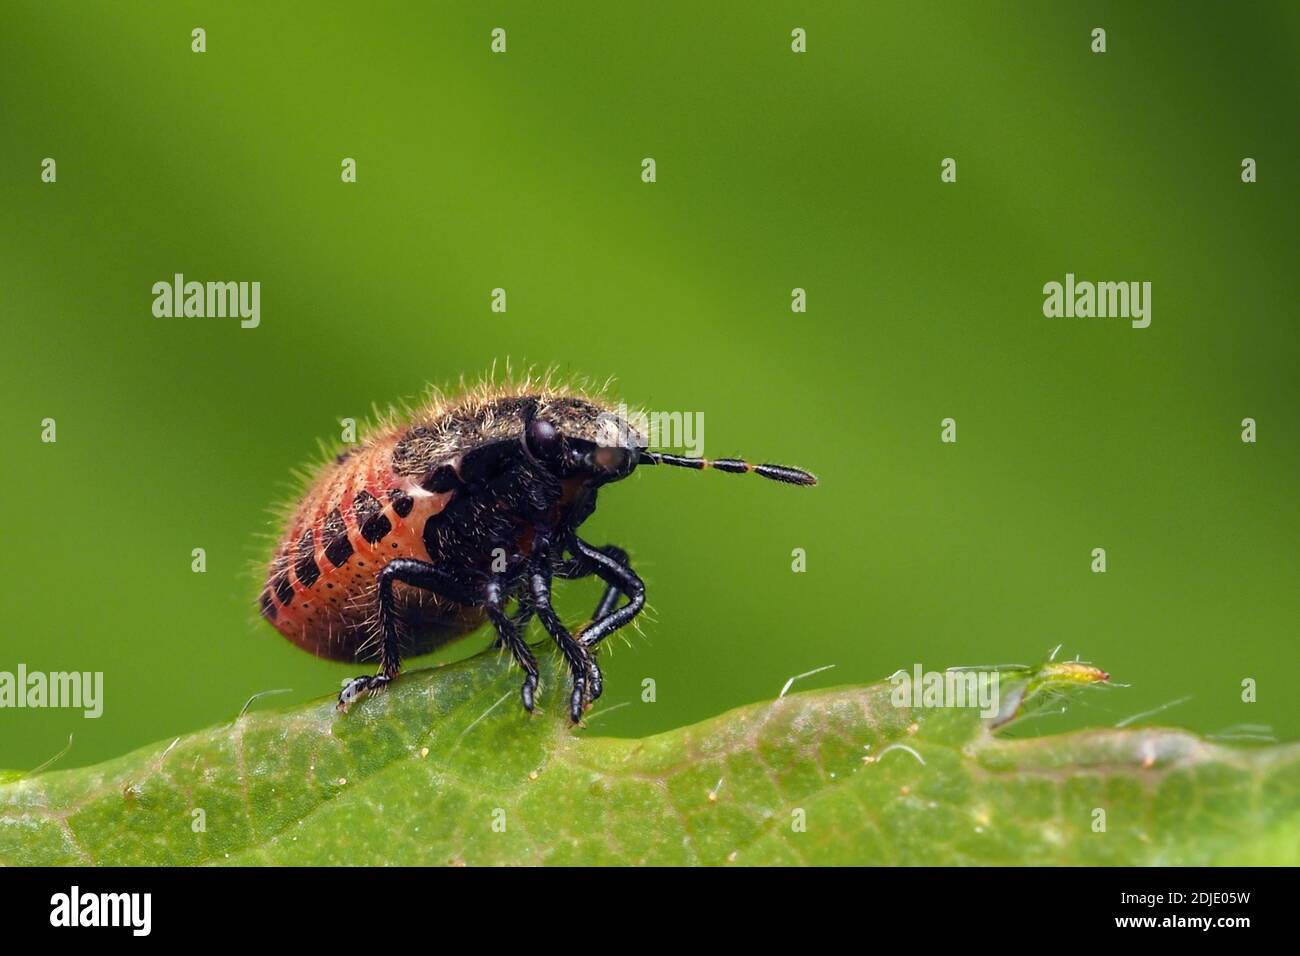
[[77, 690], [1085, 300], [130, 910], [950, 688], [211, 300], [678, 431]]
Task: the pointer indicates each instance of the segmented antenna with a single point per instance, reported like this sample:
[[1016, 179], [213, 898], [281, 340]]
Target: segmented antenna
[[732, 466]]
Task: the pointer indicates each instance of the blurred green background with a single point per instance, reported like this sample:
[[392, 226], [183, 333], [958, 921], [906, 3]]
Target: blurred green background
[[775, 170]]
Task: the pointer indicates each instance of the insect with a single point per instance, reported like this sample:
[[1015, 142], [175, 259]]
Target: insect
[[434, 525]]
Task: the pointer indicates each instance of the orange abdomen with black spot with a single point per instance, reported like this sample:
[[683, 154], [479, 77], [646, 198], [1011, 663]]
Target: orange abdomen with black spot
[[358, 515]]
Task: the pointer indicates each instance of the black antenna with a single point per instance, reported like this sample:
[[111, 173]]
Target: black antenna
[[732, 466]]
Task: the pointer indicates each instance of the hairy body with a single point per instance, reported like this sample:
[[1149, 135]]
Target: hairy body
[[434, 525]]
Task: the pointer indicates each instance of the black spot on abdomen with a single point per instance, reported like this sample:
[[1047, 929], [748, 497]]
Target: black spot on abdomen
[[306, 568], [283, 589], [337, 546], [370, 517], [401, 501]]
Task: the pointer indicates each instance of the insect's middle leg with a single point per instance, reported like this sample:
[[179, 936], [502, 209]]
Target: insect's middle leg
[[415, 573], [510, 634], [581, 667]]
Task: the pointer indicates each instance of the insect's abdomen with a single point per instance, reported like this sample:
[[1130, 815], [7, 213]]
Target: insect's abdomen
[[356, 517]]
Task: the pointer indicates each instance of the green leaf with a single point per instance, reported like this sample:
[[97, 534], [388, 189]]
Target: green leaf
[[446, 768]]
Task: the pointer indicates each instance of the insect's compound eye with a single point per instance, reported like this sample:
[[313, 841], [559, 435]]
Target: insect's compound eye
[[544, 441]]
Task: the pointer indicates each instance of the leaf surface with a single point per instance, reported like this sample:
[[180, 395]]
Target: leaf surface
[[446, 768]]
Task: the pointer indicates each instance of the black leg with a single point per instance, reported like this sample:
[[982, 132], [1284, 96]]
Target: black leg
[[580, 566], [510, 631], [581, 666], [418, 574], [520, 619], [622, 580], [612, 590]]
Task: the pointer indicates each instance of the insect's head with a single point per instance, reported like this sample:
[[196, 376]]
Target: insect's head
[[573, 438]]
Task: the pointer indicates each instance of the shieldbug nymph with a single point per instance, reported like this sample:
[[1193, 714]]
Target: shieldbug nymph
[[464, 513]]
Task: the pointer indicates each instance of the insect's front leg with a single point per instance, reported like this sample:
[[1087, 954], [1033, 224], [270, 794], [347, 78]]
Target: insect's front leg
[[582, 668], [579, 566]]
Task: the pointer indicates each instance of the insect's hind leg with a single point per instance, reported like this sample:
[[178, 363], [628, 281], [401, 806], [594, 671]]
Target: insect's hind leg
[[416, 573]]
